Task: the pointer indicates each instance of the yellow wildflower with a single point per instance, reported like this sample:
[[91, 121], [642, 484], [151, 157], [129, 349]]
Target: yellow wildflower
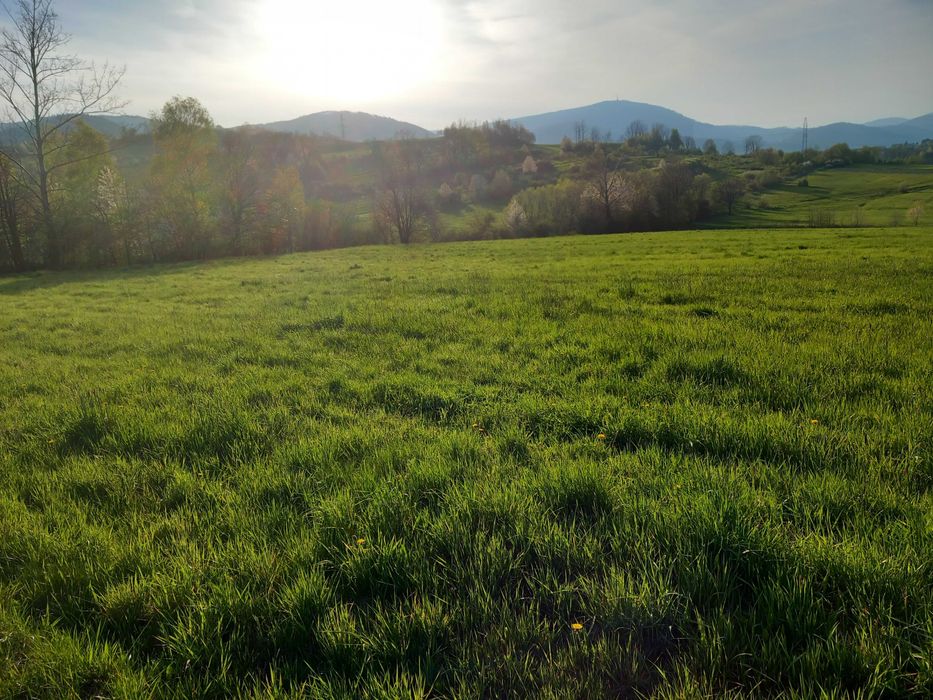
[[576, 626]]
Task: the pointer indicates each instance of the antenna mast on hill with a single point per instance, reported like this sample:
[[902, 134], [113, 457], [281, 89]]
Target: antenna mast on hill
[[806, 135]]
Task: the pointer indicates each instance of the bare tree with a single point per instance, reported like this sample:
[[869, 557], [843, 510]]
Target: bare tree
[[45, 90], [753, 144], [605, 186], [635, 130], [10, 205], [579, 131], [401, 204]]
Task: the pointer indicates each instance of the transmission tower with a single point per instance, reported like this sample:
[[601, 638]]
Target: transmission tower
[[806, 135]]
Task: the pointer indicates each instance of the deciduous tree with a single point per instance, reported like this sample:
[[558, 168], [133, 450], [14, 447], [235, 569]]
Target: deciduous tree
[[729, 191], [186, 142], [45, 91]]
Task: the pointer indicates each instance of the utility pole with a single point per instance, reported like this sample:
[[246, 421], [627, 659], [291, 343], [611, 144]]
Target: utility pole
[[806, 135]]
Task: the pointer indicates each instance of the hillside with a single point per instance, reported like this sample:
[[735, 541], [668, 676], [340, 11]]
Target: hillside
[[868, 195], [110, 125], [348, 126]]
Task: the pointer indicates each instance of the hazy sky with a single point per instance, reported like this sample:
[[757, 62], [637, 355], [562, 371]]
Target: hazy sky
[[762, 62]]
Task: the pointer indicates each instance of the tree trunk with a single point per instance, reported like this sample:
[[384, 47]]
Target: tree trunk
[[52, 248], [16, 250]]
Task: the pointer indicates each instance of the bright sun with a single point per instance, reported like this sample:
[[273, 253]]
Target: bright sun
[[350, 50]]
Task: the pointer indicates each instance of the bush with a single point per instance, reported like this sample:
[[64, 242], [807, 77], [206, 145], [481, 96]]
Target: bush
[[769, 178]]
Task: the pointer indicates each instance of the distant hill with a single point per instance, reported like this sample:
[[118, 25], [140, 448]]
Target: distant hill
[[110, 125], [887, 121], [924, 123], [349, 126], [615, 116]]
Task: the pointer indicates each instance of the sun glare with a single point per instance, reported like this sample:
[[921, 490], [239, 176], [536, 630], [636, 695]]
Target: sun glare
[[366, 49]]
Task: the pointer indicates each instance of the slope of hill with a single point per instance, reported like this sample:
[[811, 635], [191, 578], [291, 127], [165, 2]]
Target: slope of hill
[[923, 124], [859, 195], [887, 121], [110, 125], [616, 116], [349, 126]]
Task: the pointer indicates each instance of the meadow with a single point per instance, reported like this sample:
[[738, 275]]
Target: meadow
[[678, 465], [859, 195]]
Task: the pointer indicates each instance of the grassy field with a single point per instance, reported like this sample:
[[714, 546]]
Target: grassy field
[[696, 464], [863, 195]]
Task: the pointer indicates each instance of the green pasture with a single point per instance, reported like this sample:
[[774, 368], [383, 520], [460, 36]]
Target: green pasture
[[863, 195], [693, 464]]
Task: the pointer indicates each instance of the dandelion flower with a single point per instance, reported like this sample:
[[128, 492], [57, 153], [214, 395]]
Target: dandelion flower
[[814, 421], [361, 540], [601, 436], [576, 626]]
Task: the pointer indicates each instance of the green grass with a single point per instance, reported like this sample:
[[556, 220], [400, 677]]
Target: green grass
[[863, 195], [379, 472]]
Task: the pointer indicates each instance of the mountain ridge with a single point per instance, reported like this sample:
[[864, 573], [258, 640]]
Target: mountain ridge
[[348, 126], [616, 115], [613, 116]]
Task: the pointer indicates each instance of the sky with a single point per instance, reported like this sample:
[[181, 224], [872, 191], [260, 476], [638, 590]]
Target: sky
[[431, 62]]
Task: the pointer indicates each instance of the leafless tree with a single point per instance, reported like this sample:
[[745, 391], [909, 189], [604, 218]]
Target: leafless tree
[[401, 204], [605, 186], [45, 90], [10, 205], [579, 131], [636, 130], [753, 144]]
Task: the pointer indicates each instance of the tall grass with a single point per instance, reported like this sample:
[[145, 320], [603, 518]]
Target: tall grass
[[674, 465]]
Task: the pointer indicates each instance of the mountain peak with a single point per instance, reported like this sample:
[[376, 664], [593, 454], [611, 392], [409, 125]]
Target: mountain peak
[[349, 126]]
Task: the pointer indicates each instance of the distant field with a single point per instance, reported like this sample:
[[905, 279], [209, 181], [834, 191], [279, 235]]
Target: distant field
[[864, 195], [680, 465]]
